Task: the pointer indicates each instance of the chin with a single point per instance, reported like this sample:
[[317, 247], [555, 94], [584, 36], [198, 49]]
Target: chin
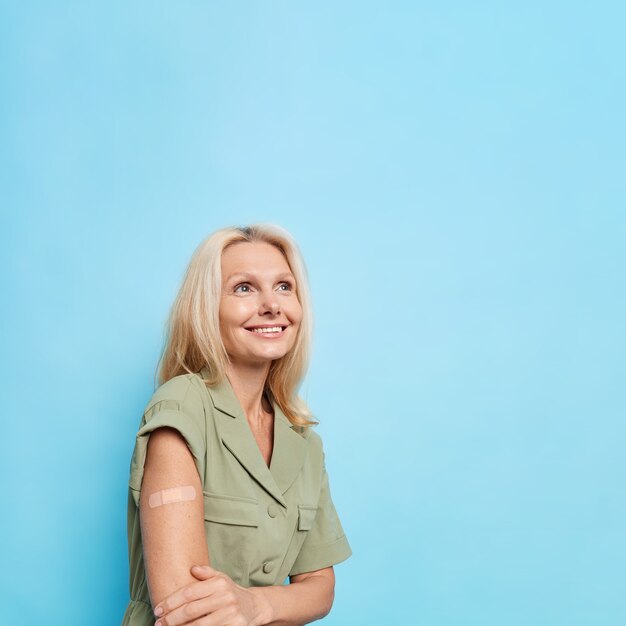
[[273, 357], [262, 358]]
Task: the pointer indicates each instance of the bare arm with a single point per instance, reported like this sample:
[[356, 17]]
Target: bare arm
[[309, 597], [172, 534]]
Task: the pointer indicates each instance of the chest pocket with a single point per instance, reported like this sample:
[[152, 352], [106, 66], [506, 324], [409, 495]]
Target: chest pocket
[[230, 509], [306, 516], [231, 526]]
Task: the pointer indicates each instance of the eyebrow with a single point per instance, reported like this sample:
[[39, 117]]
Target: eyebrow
[[246, 275]]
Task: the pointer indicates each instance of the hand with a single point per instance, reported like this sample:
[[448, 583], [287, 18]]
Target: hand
[[215, 600]]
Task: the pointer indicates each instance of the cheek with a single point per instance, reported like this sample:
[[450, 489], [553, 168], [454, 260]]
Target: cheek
[[296, 313], [235, 314], [228, 329]]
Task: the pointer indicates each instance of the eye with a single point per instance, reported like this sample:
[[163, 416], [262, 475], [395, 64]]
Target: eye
[[236, 289], [287, 284]]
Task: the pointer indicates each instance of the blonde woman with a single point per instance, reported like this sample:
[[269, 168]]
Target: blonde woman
[[228, 491]]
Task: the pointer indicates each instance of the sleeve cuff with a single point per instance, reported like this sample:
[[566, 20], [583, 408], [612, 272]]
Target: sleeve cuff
[[319, 557]]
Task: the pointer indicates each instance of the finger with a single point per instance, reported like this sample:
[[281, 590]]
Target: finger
[[203, 572], [219, 617], [188, 593], [193, 612]]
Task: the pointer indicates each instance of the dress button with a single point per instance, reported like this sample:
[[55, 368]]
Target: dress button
[[272, 510], [268, 566]]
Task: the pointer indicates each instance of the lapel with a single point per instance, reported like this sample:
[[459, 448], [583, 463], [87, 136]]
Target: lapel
[[289, 449]]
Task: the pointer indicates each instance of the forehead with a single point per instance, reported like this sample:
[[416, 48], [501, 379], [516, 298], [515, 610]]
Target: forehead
[[257, 257]]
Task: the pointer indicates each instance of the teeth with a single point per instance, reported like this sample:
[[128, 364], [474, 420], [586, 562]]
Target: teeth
[[274, 329]]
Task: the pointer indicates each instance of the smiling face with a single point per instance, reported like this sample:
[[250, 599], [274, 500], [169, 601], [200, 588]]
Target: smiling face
[[259, 311]]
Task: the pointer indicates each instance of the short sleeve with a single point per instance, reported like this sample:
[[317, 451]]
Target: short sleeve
[[176, 404], [326, 543]]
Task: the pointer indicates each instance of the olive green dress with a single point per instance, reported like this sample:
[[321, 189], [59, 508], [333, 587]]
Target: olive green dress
[[262, 524]]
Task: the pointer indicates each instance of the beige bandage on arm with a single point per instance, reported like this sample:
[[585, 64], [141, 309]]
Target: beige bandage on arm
[[175, 494]]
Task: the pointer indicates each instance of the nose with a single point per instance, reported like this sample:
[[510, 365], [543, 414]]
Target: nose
[[270, 303]]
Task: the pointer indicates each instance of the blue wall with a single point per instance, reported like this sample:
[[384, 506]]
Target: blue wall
[[454, 173]]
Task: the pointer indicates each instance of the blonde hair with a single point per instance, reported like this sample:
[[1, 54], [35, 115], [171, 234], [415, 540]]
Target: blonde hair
[[193, 339]]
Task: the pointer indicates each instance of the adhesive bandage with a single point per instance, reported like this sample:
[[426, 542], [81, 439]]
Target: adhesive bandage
[[175, 494]]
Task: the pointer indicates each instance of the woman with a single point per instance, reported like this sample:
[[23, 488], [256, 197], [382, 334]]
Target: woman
[[228, 490]]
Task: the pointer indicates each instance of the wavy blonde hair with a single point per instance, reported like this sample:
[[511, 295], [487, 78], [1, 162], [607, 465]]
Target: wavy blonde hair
[[192, 333]]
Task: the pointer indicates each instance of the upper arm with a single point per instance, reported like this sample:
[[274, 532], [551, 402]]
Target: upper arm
[[173, 537]]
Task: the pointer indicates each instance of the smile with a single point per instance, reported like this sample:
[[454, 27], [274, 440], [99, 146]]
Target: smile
[[269, 332]]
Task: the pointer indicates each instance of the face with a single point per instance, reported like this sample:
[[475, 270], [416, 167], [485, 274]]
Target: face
[[259, 311]]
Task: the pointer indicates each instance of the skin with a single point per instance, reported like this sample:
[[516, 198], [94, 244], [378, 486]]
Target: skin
[[257, 289]]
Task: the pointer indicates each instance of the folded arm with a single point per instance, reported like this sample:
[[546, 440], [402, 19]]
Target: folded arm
[[308, 598]]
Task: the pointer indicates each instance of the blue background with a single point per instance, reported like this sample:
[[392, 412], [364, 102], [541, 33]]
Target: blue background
[[454, 174]]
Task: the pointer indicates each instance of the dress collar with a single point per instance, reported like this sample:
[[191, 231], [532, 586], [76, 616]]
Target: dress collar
[[289, 448]]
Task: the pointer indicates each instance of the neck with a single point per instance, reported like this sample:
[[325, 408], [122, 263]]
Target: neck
[[248, 383]]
